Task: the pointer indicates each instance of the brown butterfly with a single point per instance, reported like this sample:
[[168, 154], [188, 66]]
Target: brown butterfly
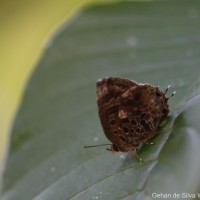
[[130, 112]]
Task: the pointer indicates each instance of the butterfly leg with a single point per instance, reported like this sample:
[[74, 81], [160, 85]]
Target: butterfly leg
[[139, 158], [135, 154], [149, 143]]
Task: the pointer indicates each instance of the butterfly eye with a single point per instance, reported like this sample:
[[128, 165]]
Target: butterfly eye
[[115, 147]]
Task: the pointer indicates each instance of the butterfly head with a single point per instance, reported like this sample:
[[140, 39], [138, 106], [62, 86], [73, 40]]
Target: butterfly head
[[113, 148]]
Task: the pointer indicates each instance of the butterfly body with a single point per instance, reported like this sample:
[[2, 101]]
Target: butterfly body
[[130, 112]]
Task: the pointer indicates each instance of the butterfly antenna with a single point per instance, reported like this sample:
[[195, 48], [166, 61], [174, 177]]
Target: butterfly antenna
[[167, 89], [173, 93], [96, 145]]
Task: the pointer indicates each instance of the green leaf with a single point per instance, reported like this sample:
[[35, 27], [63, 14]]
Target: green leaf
[[155, 42]]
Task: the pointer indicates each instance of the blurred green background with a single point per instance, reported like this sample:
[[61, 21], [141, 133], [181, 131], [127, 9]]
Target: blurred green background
[[25, 27]]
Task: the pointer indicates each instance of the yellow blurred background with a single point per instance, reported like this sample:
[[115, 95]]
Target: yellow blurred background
[[25, 26]]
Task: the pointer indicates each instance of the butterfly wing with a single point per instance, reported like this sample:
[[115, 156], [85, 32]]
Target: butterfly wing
[[135, 117], [140, 114], [109, 91], [130, 113]]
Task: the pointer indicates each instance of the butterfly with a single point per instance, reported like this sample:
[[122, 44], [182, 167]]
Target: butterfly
[[130, 112]]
